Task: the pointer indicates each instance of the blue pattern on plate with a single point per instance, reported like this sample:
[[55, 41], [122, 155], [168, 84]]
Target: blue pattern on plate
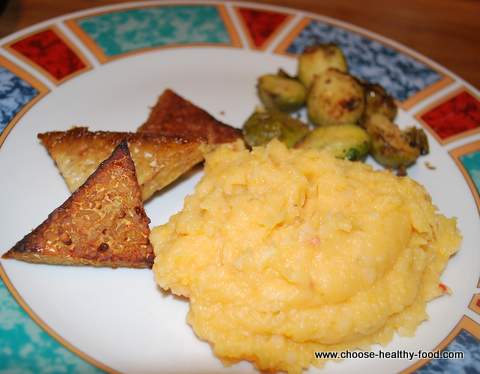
[[401, 75], [25, 348], [471, 162], [14, 94], [133, 29], [464, 342]]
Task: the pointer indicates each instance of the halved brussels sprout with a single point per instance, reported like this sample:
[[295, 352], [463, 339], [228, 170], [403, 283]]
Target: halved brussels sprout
[[261, 127], [281, 92], [316, 59], [377, 100], [335, 98], [390, 147], [346, 141]]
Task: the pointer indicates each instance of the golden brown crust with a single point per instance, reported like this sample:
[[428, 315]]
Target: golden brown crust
[[103, 223], [174, 115], [159, 160]]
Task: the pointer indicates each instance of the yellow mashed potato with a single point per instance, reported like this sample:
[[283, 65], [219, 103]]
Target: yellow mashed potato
[[286, 252]]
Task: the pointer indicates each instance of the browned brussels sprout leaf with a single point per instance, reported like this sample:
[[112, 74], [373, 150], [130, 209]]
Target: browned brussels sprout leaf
[[390, 147], [418, 139]]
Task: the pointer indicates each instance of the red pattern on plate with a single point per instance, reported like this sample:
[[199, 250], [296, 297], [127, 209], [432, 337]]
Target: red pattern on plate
[[261, 24], [456, 115], [47, 50]]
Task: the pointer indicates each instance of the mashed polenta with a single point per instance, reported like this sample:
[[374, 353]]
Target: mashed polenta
[[286, 252]]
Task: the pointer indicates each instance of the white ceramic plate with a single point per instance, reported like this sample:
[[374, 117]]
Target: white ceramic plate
[[106, 72]]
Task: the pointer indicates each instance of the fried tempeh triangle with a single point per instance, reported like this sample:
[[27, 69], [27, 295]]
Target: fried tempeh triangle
[[102, 223], [159, 160], [174, 115]]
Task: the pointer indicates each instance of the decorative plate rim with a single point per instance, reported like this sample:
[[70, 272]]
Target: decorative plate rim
[[296, 20]]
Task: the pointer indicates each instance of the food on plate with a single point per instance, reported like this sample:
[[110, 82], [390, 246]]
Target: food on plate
[[317, 59], [378, 101], [173, 115], [350, 142], [281, 92], [417, 138], [392, 147], [284, 252], [102, 223], [335, 98], [263, 126], [159, 160]]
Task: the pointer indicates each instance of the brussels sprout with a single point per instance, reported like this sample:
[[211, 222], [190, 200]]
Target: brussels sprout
[[418, 139], [284, 74], [377, 100], [390, 147], [346, 141], [317, 59], [335, 98], [281, 92], [261, 127]]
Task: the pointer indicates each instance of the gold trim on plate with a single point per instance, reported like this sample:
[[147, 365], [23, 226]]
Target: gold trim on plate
[[444, 81], [441, 101], [30, 79], [39, 68], [103, 58], [465, 323], [267, 42], [459, 152]]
